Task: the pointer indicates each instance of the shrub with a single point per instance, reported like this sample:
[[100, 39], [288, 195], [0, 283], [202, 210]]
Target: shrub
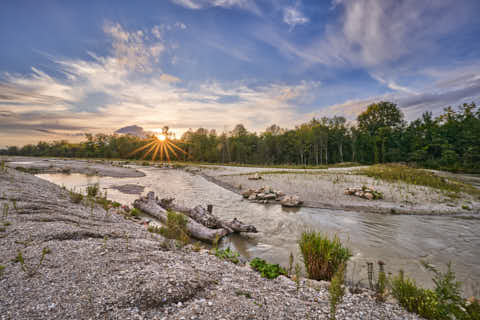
[[444, 302], [267, 270], [322, 257], [134, 212], [176, 227], [336, 290], [92, 190], [227, 254]]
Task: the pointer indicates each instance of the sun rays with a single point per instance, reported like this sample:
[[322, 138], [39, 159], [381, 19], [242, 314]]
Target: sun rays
[[159, 145]]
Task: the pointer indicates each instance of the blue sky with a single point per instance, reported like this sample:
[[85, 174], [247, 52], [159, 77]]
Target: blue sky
[[68, 67]]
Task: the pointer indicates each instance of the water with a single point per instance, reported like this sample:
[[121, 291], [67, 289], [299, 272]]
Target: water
[[400, 241]]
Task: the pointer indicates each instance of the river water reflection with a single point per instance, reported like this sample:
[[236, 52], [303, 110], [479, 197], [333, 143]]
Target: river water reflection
[[400, 241]]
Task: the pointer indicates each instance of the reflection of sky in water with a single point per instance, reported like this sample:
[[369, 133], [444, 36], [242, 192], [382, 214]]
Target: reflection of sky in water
[[400, 241]]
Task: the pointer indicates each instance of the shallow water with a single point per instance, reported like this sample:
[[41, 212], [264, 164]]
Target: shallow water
[[400, 241]]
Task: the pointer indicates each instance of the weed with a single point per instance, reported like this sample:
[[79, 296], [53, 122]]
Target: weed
[[2, 269], [105, 239], [243, 293], [31, 270], [6, 223], [197, 246], [298, 270], [134, 212], [92, 190], [5, 211], [290, 264], [322, 256], [28, 170], [2, 166], [444, 302], [176, 227], [227, 254], [75, 197], [14, 203], [336, 290], [267, 270], [465, 207]]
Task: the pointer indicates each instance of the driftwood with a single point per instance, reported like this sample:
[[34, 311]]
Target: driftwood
[[201, 224]]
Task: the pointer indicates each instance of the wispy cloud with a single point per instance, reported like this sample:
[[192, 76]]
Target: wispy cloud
[[293, 16], [249, 5]]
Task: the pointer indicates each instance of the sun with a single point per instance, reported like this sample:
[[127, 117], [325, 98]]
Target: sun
[[160, 145]]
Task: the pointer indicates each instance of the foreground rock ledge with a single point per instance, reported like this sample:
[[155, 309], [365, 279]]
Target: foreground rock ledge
[[101, 266]]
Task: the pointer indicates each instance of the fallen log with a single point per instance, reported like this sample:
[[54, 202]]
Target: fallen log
[[206, 218], [201, 224], [196, 230]]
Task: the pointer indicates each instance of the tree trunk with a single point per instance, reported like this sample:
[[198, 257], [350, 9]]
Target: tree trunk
[[201, 224]]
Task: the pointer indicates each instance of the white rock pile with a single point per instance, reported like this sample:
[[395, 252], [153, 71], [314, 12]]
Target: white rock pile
[[368, 193], [264, 195]]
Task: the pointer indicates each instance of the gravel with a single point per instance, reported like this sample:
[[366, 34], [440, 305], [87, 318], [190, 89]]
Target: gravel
[[103, 266]]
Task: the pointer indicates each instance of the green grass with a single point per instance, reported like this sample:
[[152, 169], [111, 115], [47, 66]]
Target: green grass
[[403, 173], [92, 190], [267, 270], [75, 197], [336, 290], [175, 228], [322, 256]]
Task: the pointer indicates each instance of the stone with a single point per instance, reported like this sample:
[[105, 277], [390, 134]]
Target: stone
[[291, 201], [269, 196], [253, 196]]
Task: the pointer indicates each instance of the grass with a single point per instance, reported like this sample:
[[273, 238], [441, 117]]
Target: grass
[[322, 256], [444, 302], [2, 269], [267, 270], [31, 270], [227, 254], [336, 290], [403, 173], [92, 190], [75, 197], [28, 170], [175, 228]]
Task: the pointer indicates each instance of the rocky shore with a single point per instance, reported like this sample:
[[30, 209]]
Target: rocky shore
[[63, 260]]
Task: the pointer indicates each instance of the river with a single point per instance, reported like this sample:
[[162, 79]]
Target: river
[[401, 241]]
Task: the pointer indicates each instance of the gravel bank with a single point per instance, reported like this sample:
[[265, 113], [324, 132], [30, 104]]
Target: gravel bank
[[324, 188], [102, 266], [89, 167]]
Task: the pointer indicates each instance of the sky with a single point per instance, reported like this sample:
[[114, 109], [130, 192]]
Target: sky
[[70, 67]]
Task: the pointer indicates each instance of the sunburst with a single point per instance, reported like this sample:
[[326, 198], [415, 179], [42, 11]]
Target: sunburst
[[161, 145]]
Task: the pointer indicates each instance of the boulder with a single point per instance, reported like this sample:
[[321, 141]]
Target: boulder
[[269, 196], [253, 196], [255, 177], [291, 201], [369, 196], [248, 193], [261, 196]]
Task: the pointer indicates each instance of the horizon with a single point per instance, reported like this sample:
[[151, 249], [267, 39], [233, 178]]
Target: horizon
[[93, 67]]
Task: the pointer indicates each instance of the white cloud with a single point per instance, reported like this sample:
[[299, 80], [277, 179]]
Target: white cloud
[[249, 5], [392, 84], [293, 16]]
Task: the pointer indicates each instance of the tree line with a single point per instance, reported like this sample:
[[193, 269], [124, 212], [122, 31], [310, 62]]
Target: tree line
[[380, 135]]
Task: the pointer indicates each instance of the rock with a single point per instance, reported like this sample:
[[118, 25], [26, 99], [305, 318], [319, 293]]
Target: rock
[[247, 193], [369, 196], [255, 177], [253, 196], [291, 201], [269, 196], [261, 196]]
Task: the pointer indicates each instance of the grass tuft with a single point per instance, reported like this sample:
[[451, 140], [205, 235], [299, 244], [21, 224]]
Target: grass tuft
[[322, 256]]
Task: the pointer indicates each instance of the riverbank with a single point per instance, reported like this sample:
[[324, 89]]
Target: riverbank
[[324, 188], [99, 265]]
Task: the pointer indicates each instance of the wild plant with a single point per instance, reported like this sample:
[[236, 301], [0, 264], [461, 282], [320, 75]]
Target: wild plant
[[14, 203], [5, 211], [92, 190], [267, 270], [322, 256], [290, 264], [2, 269], [75, 197], [227, 254], [31, 270], [105, 239], [298, 270], [336, 290], [2, 166], [176, 228]]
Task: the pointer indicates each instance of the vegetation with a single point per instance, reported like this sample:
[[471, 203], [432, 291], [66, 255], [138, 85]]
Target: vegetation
[[227, 254], [31, 270], [444, 302], [92, 190], [336, 290], [2, 269], [175, 228], [322, 256], [450, 141], [403, 173], [267, 270], [75, 197]]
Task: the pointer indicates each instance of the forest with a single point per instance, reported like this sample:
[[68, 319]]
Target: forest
[[450, 141]]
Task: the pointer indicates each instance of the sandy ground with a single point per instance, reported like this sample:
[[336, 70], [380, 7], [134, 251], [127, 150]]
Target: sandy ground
[[89, 167], [324, 188]]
